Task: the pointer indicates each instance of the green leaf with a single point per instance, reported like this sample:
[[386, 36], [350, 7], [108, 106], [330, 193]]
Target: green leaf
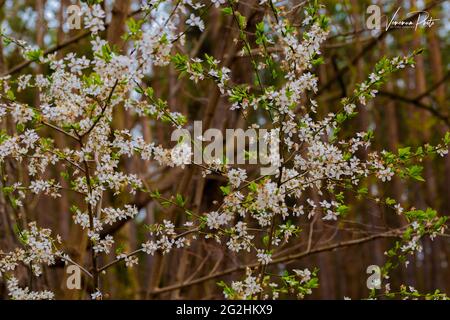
[[179, 200], [155, 194], [225, 190], [318, 61], [11, 95], [180, 62], [363, 191], [253, 186], [404, 153], [415, 172], [390, 201], [266, 240], [65, 175], [34, 55], [149, 92], [447, 138], [20, 127], [166, 204], [343, 210], [120, 249], [228, 11]]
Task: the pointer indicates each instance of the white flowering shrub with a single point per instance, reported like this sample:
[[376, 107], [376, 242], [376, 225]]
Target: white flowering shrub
[[81, 95]]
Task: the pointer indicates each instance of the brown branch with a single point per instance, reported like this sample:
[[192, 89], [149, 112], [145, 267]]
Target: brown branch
[[105, 105], [417, 103], [113, 262], [433, 87], [297, 256], [48, 124]]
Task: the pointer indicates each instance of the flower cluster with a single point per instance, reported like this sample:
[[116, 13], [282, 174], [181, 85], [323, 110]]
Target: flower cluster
[[83, 96]]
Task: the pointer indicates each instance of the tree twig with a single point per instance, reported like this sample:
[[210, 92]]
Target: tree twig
[[297, 256]]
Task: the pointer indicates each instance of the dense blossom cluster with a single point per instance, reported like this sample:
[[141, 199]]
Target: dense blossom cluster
[[79, 99], [18, 293]]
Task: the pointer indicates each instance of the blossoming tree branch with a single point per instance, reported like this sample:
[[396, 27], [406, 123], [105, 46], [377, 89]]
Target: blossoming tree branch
[[90, 178]]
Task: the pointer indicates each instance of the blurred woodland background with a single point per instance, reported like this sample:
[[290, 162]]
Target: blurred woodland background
[[411, 109]]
